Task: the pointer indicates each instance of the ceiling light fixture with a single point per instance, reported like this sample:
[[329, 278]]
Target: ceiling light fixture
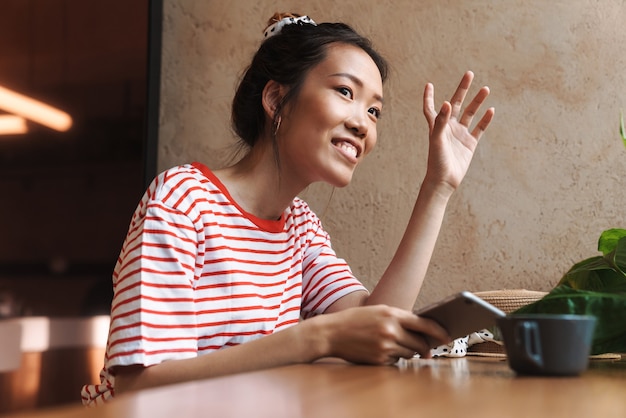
[[12, 125], [31, 109]]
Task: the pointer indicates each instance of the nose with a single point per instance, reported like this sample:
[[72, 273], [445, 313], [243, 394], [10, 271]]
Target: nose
[[357, 124]]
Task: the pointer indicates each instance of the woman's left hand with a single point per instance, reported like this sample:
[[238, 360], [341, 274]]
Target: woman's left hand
[[452, 143]]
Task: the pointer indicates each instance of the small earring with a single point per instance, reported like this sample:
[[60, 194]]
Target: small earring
[[277, 125]]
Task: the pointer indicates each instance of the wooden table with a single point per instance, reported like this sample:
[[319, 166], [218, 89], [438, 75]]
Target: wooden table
[[46, 348], [445, 387]]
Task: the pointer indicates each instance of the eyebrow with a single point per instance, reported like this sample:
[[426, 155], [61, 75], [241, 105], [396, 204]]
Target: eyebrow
[[358, 82]]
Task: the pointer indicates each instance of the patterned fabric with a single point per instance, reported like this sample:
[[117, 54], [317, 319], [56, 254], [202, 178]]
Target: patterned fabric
[[197, 274], [275, 28], [458, 347]]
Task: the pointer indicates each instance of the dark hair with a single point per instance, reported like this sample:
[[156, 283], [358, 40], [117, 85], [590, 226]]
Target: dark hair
[[287, 58]]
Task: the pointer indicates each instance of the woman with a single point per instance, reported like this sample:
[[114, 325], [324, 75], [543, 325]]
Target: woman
[[229, 271]]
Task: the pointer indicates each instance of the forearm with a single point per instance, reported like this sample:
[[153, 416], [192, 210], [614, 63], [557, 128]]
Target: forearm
[[451, 149], [403, 278], [302, 343]]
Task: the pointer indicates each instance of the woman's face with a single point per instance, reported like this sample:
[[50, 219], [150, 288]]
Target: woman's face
[[331, 125]]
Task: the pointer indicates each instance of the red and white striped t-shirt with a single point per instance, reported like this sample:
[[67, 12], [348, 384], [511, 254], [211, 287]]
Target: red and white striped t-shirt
[[197, 273]]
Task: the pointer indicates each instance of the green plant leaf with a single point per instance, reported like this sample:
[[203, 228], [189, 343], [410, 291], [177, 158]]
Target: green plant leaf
[[595, 274], [608, 239], [620, 255], [608, 308], [601, 273], [608, 281]]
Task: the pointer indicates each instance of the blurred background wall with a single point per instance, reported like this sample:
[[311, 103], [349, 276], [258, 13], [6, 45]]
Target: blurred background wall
[[546, 180]]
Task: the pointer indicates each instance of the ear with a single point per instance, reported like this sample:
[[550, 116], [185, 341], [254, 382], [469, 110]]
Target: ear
[[273, 94]]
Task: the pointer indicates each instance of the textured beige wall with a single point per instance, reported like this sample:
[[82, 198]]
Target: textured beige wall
[[546, 180]]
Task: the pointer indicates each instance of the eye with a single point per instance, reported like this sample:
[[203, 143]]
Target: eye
[[345, 91], [375, 112]]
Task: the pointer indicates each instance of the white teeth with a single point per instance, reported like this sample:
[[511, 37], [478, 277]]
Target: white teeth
[[349, 148]]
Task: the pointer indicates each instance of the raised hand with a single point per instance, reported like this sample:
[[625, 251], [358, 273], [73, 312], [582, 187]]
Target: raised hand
[[452, 141]]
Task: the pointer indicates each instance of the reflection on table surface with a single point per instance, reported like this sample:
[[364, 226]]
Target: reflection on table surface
[[447, 387]]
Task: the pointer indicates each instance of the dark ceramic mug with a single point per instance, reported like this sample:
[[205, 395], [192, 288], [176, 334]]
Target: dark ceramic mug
[[547, 344]]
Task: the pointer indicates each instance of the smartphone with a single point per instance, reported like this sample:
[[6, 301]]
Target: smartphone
[[460, 314]]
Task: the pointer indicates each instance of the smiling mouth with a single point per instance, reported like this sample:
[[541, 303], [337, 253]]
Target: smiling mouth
[[347, 147]]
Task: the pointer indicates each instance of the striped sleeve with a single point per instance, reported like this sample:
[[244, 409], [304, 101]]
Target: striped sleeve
[[153, 314], [325, 277]]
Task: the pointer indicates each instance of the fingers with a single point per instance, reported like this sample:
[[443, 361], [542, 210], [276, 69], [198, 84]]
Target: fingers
[[415, 343], [484, 122], [461, 91], [404, 333], [425, 326], [441, 120], [464, 117], [472, 108], [415, 328], [429, 105]]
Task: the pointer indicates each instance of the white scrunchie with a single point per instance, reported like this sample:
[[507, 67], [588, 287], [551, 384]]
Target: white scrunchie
[[458, 347], [275, 28]]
